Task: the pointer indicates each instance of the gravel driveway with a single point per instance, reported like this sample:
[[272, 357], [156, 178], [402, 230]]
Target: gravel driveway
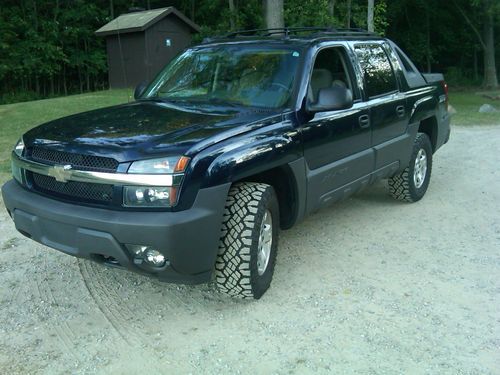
[[369, 285]]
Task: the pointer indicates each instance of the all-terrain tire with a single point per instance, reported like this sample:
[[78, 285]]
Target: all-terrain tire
[[404, 186], [248, 206]]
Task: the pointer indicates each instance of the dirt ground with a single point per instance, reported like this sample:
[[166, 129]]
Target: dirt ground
[[369, 285]]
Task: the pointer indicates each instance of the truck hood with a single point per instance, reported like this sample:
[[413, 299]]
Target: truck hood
[[141, 130]]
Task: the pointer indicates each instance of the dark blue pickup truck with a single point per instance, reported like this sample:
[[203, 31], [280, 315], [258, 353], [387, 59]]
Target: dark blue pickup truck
[[235, 139]]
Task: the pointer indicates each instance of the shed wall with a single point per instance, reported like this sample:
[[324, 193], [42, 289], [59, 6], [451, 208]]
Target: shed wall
[[126, 64], [160, 54], [144, 54]]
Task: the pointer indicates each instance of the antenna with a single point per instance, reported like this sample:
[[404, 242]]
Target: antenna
[[124, 70]]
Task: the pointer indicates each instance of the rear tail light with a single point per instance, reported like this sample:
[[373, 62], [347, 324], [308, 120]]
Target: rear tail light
[[445, 87]]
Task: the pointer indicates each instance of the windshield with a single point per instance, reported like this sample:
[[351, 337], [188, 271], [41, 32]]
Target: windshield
[[254, 76]]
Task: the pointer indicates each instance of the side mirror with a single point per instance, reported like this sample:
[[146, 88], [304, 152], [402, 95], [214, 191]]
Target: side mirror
[[139, 89], [331, 99]]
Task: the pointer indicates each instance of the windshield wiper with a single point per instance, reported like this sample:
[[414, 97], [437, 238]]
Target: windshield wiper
[[223, 102]]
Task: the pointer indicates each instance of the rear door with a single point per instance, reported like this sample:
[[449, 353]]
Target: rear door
[[388, 112]]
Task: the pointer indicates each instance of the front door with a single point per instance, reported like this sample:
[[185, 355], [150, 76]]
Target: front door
[[336, 143]]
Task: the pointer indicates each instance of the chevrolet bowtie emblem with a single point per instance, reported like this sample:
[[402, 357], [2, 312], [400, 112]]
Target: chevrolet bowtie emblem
[[61, 173]]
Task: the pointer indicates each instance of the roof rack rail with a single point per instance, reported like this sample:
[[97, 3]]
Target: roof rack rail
[[285, 32]]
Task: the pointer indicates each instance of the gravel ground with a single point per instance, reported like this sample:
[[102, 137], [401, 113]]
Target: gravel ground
[[369, 285]]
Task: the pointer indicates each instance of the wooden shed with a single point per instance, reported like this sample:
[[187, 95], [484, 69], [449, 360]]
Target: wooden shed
[[139, 44]]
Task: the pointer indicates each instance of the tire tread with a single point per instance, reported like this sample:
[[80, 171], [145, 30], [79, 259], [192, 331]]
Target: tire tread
[[232, 268]]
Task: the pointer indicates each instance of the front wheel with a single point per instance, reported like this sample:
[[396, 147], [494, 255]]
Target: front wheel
[[412, 183], [249, 241]]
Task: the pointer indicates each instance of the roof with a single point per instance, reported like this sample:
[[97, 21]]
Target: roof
[[140, 21]]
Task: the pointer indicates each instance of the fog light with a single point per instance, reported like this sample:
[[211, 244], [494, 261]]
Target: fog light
[[145, 254], [155, 258], [137, 250]]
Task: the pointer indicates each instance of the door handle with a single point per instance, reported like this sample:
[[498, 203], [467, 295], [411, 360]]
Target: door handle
[[400, 110], [364, 121]]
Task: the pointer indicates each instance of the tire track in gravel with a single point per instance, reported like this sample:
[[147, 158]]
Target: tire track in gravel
[[115, 303], [16, 297], [116, 309], [96, 297], [63, 331], [176, 303]]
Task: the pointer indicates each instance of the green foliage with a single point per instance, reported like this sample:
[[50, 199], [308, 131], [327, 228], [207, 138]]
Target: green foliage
[[48, 47], [308, 13], [380, 17], [458, 77]]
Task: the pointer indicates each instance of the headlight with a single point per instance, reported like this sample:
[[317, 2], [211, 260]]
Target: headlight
[[145, 196], [155, 196], [16, 171], [173, 164], [19, 147]]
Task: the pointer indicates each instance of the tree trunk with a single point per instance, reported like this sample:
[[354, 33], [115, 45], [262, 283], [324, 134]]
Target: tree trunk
[[87, 75], [476, 74], [490, 71], [65, 85], [331, 8], [428, 41], [232, 15], [348, 15], [111, 9], [35, 15], [273, 14], [80, 79], [490, 79], [371, 6]]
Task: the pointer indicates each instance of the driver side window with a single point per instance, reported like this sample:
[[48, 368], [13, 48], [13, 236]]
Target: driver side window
[[329, 69]]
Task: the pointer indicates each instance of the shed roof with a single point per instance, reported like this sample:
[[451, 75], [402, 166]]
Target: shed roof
[[140, 21]]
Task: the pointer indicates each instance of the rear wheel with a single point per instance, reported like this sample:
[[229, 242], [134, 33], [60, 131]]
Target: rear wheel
[[412, 183], [249, 241]]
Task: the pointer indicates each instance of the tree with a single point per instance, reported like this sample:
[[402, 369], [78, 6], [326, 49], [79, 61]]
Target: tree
[[371, 7], [490, 71], [487, 8], [331, 8], [348, 15], [273, 14], [232, 15]]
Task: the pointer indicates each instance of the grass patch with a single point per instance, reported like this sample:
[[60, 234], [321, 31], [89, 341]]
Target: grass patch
[[16, 119], [467, 106]]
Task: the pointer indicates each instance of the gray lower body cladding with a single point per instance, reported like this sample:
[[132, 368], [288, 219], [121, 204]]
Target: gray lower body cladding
[[189, 239]]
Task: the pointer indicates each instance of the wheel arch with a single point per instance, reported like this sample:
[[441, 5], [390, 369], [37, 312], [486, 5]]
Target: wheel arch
[[288, 181], [429, 126]]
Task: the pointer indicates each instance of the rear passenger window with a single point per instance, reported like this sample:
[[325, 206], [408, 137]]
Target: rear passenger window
[[406, 64], [377, 70]]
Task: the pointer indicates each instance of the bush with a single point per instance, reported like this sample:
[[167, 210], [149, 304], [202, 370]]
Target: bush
[[459, 77], [23, 96]]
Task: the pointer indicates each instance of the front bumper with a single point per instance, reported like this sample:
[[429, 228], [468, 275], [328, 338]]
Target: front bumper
[[189, 239]]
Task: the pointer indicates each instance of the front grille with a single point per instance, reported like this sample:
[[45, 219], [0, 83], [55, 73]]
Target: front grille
[[97, 193], [77, 161]]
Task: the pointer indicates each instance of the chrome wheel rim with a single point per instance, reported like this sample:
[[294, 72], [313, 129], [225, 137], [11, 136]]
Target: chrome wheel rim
[[420, 169], [265, 243]]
